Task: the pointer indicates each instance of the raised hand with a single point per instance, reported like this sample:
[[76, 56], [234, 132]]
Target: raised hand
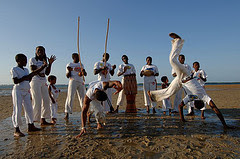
[[51, 59]]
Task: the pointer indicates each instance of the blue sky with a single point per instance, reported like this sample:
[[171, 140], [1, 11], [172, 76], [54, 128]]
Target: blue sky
[[137, 28]]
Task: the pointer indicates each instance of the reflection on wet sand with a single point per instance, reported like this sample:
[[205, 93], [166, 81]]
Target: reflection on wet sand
[[125, 135]]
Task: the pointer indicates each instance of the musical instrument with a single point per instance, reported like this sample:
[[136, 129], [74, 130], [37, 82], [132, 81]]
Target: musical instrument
[[130, 90]]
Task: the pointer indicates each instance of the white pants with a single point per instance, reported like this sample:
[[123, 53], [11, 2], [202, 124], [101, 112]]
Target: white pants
[[176, 84], [21, 98], [121, 96], [105, 103], [166, 104], [177, 99], [40, 99], [149, 86], [97, 109], [73, 87], [54, 108], [192, 87]]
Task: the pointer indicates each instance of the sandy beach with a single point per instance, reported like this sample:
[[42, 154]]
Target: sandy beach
[[138, 135]]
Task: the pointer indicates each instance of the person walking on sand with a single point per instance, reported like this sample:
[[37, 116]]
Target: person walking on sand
[[191, 86], [39, 87], [149, 71], [125, 69], [104, 73], [21, 94], [75, 74], [93, 99]]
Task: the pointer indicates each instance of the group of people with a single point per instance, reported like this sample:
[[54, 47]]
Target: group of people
[[40, 99]]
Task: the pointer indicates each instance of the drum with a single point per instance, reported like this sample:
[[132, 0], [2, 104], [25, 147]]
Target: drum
[[130, 89]]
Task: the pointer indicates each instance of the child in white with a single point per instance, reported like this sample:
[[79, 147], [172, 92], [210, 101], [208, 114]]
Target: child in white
[[124, 70], [104, 75], [75, 74], [53, 94], [39, 87], [21, 94], [166, 102], [149, 71]]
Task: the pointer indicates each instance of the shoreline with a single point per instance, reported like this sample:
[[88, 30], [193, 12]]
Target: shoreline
[[224, 96]]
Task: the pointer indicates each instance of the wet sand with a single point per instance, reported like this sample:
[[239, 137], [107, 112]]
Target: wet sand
[[138, 135]]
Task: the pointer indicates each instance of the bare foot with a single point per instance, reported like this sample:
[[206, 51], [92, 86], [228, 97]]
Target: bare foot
[[148, 110], [154, 111], [83, 131], [18, 134], [203, 117], [66, 116], [99, 126], [44, 123], [32, 128], [190, 114], [54, 120]]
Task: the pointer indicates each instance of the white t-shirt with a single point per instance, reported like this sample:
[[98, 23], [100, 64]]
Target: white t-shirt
[[92, 87], [17, 72], [74, 73], [54, 93], [101, 77], [151, 68], [203, 74], [38, 63], [129, 71], [188, 68]]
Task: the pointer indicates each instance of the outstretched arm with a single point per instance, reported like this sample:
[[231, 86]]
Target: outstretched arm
[[86, 104], [219, 114], [29, 77], [113, 84]]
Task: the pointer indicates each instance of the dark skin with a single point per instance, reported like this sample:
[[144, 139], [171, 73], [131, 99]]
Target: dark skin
[[52, 82], [196, 68], [125, 60], [104, 68], [211, 103], [214, 108], [40, 54], [181, 59], [149, 62], [76, 60], [86, 103], [22, 63]]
